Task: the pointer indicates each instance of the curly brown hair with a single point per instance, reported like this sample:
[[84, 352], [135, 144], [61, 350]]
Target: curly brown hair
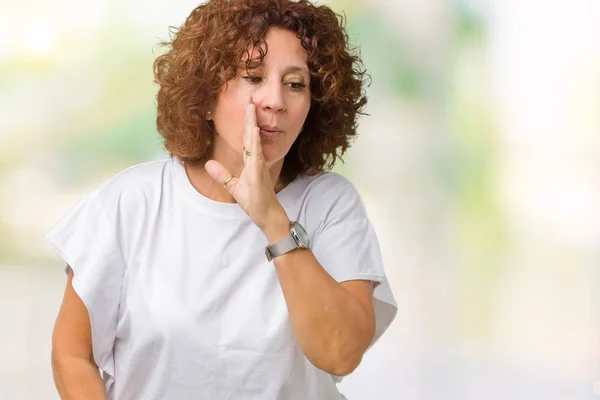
[[207, 50]]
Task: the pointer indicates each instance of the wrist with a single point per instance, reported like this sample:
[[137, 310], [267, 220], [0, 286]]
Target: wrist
[[277, 226]]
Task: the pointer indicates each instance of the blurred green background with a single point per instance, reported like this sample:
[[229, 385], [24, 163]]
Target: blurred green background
[[479, 165]]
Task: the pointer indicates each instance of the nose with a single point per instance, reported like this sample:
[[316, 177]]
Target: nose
[[271, 98]]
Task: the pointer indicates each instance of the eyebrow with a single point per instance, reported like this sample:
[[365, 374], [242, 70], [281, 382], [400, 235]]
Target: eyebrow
[[288, 70], [295, 68]]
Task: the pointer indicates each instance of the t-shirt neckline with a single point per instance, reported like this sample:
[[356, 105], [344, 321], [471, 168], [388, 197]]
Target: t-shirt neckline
[[216, 208]]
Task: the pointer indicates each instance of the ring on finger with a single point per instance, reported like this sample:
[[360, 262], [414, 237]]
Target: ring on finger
[[227, 180]]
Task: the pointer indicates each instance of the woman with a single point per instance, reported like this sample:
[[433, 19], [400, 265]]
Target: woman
[[237, 268]]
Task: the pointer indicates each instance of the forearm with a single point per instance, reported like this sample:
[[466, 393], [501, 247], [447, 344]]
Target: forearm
[[77, 378], [329, 322]]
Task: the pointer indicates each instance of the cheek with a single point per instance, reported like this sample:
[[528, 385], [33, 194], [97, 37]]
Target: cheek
[[302, 114], [231, 127], [229, 119]]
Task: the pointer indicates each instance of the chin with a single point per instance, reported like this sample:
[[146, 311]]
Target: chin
[[272, 156]]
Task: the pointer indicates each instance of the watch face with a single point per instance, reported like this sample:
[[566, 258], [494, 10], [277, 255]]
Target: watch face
[[301, 234]]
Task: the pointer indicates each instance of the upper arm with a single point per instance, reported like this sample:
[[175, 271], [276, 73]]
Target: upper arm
[[346, 245], [72, 337]]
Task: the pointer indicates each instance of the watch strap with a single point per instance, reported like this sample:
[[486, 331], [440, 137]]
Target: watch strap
[[281, 247]]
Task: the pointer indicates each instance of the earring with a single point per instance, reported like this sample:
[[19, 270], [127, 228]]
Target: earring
[[209, 115]]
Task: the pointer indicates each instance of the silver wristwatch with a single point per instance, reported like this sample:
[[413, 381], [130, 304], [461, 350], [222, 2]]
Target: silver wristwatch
[[298, 238]]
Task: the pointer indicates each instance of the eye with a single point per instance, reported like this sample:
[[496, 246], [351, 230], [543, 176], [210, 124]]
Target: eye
[[296, 85], [253, 79]]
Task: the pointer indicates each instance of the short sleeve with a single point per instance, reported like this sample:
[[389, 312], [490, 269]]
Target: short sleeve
[[346, 245], [86, 240]]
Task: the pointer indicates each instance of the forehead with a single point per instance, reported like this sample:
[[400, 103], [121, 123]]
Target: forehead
[[284, 49]]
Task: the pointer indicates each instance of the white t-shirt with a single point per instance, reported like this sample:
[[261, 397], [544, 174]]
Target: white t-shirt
[[183, 303]]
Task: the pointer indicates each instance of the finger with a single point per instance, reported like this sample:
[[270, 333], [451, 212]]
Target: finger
[[256, 144], [220, 174], [250, 120]]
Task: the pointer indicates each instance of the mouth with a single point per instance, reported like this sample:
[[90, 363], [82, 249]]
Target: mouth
[[270, 132]]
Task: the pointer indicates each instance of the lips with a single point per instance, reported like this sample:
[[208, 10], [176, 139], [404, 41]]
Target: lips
[[270, 131], [270, 128]]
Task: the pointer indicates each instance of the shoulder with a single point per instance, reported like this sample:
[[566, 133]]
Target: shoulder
[[328, 193], [329, 183], [143, 180], [331, 186], [140, 175]]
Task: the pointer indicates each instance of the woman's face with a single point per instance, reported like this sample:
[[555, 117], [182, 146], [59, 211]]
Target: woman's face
[[280, 88]]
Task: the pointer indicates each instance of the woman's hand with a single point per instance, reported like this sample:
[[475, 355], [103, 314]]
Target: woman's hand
[[253, 189]]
